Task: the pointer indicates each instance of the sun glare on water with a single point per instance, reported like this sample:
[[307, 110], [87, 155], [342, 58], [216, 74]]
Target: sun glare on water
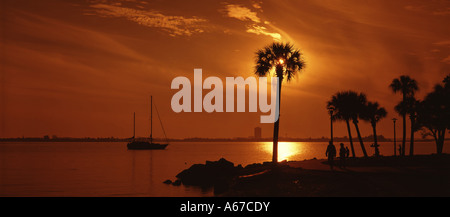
[[286, 150]]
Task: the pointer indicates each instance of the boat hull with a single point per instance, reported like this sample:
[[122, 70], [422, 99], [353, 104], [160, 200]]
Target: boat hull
[[145, 146]]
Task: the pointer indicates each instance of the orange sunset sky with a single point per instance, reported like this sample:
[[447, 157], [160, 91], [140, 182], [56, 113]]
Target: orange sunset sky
[[81, 68]]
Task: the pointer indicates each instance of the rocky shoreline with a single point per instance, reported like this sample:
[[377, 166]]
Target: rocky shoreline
[[423, 175]]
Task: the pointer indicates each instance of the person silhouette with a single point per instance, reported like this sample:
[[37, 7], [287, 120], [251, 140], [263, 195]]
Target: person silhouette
[[347, 152], [377, 150], [331, 153], [399, 150], [342, 155]]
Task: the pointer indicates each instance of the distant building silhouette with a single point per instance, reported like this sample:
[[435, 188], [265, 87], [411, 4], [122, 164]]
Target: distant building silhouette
[[257, 132]]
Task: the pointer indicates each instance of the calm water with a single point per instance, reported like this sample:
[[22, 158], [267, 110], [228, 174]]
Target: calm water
[[109, 169]]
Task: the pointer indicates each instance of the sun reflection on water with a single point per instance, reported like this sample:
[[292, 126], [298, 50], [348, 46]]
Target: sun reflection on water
[[286, 150]]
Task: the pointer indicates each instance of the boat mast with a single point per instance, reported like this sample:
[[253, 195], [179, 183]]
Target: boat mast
[[151, 119]]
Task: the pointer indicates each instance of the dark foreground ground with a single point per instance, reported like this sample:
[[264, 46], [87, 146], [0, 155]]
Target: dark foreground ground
[[386, 176], [425, 175]]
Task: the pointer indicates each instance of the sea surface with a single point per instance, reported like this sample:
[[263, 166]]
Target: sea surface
[[109, 169]]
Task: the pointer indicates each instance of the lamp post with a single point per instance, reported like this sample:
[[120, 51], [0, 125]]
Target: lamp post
[[395, 140], [331, 112]]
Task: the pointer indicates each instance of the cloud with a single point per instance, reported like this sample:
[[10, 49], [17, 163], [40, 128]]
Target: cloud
[[446, 60], [443, 43], [414, 8], [242, 13], [256, 5], [437, 10], [442, 12], [174, 25], [261, 30], [245, 14]]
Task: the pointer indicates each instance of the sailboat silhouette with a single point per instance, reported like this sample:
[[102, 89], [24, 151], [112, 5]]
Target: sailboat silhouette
[[147, 145]]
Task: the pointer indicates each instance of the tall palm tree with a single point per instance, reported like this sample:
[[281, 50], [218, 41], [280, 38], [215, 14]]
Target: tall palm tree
[[409, 107], [402, 110], [348, 105], [407, 87], [374, 113], [287, 62]]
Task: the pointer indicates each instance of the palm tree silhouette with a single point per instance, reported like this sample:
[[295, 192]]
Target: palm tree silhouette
[[287, 62], [402, 110], [407, 87], [337, 104], [348, 106], [357, 104], [409, 106], [374, 113]]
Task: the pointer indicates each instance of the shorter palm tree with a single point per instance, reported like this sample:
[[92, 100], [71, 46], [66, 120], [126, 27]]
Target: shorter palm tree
[[374, 113], [341, 112], [409, 107], [358, 103], [348, 105], [407, 87]]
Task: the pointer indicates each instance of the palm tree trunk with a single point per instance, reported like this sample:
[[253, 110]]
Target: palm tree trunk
[[404, 135], [276, 126], [411, 142], [440, 141], [350, 137], [355, 122], [375, 139]]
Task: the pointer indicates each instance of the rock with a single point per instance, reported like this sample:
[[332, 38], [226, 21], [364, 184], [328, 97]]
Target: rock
[[252, 166], [168, 181], [209, 174], [193, 175], [176, 182], [267, 163]]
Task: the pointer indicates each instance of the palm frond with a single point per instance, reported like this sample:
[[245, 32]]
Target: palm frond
[[268, 58]]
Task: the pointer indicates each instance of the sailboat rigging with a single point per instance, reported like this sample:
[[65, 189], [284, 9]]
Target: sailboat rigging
[[146, 145]]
